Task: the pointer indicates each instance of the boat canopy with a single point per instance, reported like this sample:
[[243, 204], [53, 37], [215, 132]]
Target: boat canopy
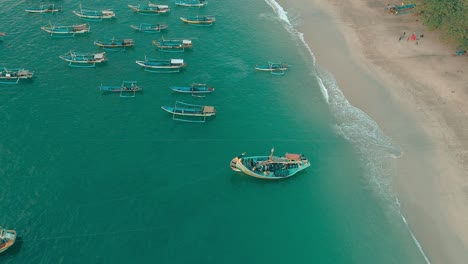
[[177, 61], [186, 41], [208, 109], [99, 56], [291, 156]]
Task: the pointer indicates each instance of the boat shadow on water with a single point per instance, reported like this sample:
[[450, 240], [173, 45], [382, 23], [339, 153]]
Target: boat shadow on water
[[12, 251]]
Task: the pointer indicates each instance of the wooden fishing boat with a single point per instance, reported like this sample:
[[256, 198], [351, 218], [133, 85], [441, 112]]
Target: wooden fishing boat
[[149, 28], [173, 45], [7, 238], [12, 76], [79, 59], [44, 8], [114, 44], [199, 20], [191, 3], [400, 9], [273, 68], [93, 14], [126, 89], [66, 31], [152, 9], [270, 167], [162, 66], [189, 112], [194, 89]]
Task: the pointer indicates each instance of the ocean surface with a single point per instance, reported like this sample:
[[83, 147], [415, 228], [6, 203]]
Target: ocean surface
[[89, 177]]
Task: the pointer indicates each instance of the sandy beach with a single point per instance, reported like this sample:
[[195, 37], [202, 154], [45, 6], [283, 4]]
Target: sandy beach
[[416, 90]]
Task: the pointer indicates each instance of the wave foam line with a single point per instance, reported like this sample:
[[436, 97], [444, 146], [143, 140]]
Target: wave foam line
[[351, 119]]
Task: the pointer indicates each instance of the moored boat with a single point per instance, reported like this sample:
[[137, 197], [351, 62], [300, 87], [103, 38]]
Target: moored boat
[[126, 89], [12, 76], [191, 3], [162, 65], [80, 59], [273, 67], [66, 31], [114, 44], [194, 88], [400, 9], [93, 14], [150, 9], [7, 238], [173, 45], [199, 20], [44, 8], [270, 167], [149, 28], [190, 112]]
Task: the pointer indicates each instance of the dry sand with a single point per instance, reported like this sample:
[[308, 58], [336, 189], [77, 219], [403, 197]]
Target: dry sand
[[428, 87]]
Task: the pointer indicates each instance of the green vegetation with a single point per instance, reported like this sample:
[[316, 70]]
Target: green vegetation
[[450, 16]]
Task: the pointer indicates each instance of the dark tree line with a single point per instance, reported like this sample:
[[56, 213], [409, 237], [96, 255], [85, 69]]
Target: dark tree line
[[450, 16]]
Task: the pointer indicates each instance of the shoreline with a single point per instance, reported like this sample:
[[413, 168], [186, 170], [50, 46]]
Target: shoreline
[[415, 91]]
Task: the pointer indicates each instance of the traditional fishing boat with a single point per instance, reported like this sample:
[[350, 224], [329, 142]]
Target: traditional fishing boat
[[191, 3], [162, 66], [7, 238], [114, 44], [189, 112], [44, 8], [12, 76], [80, 59], [173, 45], [93, 14], [400, 9], [152, 9], [273, 68], [270, 167], [127, 89], [149, 28], [199, 20], [66, 31], [2, 34], [194, 89]]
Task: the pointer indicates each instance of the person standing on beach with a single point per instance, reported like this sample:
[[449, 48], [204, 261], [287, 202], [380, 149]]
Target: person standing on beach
[[402, 36]]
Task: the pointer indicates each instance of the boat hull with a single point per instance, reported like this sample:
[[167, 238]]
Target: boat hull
[[198, 20], [9, 236]]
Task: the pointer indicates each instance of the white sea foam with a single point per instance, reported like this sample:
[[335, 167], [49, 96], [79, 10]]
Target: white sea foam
[[374, 147]]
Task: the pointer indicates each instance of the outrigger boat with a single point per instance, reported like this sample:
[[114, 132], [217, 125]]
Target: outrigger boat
[[114, 44], [79, 59], [92, 14], [162, 66], [199, 20], [191, 3], [66, 31], [7, 238], [173, 45], [196, 89], [273, 68], [127, 89], [150, 9], [270, 167], [149, 28], [45, 8], [190, 112], [12, 76]]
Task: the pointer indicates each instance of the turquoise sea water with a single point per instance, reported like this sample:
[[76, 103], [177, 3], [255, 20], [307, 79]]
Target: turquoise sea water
[[94, 178]]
